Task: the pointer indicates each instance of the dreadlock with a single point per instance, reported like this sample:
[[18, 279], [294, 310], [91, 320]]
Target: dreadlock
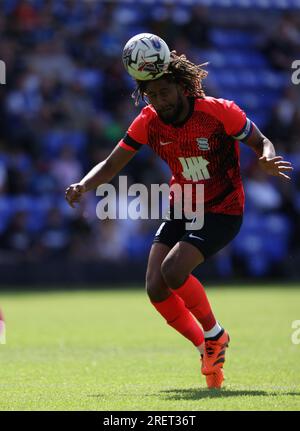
[[181, 71]]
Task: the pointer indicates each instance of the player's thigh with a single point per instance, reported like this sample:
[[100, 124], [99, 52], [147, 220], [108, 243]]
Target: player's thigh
[[179, 263], [195, 246], [218, 231], [167, 235], [155, 285]]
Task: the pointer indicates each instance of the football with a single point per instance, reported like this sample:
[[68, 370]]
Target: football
[[146, 56]]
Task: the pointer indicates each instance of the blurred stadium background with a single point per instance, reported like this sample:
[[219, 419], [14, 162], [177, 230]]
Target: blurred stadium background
[[66, 103]]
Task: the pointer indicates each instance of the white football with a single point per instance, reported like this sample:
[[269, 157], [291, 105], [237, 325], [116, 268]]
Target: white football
[[146, 56]]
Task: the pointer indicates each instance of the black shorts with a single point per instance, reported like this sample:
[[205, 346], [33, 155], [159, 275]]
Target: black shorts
[[218, 230]]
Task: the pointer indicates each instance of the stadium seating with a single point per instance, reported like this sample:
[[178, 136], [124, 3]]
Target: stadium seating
[[90, 39]]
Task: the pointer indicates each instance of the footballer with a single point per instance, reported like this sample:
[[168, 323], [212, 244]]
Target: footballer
[[198, 136]]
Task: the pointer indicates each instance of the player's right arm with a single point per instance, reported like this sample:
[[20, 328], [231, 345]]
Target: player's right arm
[[102, 173]]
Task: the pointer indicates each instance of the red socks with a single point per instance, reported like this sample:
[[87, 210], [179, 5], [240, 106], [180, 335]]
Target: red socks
[[178, 316], [193, 294], [177, 308]]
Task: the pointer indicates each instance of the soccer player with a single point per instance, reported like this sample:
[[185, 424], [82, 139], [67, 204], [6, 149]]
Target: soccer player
[[2, 328], [198, 137]]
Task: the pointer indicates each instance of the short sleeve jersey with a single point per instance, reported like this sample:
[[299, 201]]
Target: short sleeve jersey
[[204, 149]]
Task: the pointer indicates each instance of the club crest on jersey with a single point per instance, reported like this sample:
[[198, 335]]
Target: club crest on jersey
[[202, 144]]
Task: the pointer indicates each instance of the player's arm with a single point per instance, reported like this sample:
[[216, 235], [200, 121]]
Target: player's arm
[[263, 147], [102, 173], [135, 137]]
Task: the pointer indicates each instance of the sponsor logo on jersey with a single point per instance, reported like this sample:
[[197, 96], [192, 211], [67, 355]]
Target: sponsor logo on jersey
[[194, 168]]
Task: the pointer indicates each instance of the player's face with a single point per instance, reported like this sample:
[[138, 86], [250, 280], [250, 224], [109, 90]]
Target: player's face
[[168, 100]]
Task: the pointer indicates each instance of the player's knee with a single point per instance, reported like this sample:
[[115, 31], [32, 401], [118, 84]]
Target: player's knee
[[155, 287], [172, 273]]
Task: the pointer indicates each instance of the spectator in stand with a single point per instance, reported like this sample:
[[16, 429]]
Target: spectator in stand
[[65, 167], [54, 239], [16, 240], [282, 47], [262, 195], [284, 124]]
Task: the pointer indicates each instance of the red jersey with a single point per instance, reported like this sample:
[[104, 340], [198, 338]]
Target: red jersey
[[202, 150]]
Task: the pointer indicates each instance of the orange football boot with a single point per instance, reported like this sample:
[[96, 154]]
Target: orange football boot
[[214, 354], [214, 381]]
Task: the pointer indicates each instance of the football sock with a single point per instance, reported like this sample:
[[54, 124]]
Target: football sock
[[214, 333], [195, 299], [179, 317]]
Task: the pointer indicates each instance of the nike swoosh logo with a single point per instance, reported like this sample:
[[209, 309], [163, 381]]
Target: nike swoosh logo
[[165, 143], [194, 236]]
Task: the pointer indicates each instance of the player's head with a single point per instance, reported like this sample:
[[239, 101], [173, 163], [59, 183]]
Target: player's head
[[168, 93]]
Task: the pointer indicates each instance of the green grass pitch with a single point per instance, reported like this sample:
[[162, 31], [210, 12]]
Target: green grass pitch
[[110, 350]]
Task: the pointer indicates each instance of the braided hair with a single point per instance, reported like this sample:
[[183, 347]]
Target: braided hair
[[181, 71]]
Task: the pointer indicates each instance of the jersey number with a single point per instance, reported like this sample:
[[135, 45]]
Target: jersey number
[[194, 168]]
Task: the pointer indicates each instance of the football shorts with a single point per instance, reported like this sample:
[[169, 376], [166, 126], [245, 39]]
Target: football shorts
[[218, 230]]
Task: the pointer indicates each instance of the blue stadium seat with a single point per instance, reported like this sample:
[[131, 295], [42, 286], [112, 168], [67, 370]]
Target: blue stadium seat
[[216, 58], [6, 211], [276, 241], [251, 4], [262, 241], [38, 212], [229, 58], [54, 140], [246, 100], [224, 38], [259, 117], [274, 80], [245, 58]]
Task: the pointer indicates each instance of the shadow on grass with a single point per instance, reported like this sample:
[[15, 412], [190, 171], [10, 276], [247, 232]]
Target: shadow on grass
[[202, 393], [196, 394]]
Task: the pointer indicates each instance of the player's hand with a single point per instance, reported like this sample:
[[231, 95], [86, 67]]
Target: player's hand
[[276, 166], [73, 193]]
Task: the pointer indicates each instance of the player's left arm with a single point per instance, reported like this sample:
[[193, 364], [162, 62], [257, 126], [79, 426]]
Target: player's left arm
[[269, 162]]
